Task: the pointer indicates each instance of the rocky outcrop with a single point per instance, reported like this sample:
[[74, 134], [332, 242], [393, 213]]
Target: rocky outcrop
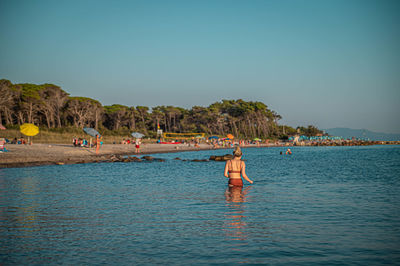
[[148, 158], [200, 160], [152, 159], [225, 157], [119, 158]]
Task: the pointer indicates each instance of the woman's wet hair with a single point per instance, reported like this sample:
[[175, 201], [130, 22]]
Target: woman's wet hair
[[237, 152]]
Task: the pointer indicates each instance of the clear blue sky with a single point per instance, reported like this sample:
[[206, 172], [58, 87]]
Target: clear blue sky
[[326, 63]]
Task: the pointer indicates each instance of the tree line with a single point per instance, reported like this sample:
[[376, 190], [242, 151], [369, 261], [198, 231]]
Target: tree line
[[47, 105]]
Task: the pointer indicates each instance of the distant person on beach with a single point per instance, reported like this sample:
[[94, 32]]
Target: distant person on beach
[[235, 168], [137, 146], [98, 139]]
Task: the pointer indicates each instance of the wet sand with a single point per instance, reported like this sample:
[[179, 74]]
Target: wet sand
[[47, 154]]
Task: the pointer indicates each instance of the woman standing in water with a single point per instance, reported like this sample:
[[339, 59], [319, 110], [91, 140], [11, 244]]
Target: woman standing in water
[[236, 168]]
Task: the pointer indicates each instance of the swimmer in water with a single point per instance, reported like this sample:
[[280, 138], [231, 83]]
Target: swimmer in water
[[288, 151], [235, 169]]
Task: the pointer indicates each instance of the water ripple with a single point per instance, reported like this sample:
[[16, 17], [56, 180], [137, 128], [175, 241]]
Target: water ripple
[[321, 205]]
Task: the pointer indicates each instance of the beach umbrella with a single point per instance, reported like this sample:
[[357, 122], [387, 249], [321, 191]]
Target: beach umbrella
[[137, 135], [2, 127], [213, 137], [257, 139], [230, 136], [91, 131], [29, 130]]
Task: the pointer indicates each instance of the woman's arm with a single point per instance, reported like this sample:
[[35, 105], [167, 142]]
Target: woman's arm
[[244, 174], [226, 169]]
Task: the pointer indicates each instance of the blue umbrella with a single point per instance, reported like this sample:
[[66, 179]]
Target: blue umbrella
[[137, 135], [91, 131], [213, 137]]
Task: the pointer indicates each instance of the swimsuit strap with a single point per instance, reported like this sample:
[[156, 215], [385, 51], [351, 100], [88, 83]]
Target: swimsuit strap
[[232, 171]]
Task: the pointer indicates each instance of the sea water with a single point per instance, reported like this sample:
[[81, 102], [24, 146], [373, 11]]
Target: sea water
[[320, 205]]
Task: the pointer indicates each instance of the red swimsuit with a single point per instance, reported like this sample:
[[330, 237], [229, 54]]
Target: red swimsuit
[[236, 182]]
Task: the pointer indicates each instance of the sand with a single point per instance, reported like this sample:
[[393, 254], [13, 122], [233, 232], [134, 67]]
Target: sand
[[47, 154]]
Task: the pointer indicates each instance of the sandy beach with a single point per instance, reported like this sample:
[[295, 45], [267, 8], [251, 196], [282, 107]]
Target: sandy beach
[[47, 154]]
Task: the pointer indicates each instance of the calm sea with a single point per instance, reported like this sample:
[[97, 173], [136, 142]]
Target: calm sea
[[318, 206]]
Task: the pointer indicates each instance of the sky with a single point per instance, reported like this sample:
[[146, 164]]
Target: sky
[[323, 63]]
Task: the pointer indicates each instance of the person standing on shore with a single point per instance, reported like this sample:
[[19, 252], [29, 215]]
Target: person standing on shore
[[97, 143], [137, 145], [235, 169]]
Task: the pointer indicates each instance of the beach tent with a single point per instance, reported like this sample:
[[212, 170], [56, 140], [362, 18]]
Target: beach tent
[[230, 136], [213, 137]]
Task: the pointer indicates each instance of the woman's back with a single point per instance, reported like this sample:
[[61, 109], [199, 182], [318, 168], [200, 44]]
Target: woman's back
[[235, 168]]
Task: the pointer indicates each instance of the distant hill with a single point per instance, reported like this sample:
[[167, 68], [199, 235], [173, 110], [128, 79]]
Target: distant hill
[[361, 133]]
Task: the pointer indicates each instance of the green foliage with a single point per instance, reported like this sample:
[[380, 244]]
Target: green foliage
[[288, 130], [109, 109], [309, 131], [47, 105], [31, 91], [85, 99]]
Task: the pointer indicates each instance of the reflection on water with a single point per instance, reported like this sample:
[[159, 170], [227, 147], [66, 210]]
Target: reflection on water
[[234, 224], [236, 194], [23, 212], [27, 213]]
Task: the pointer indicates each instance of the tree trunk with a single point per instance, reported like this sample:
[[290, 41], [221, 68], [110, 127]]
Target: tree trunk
[[58, 118], [46, 114], [144, 124], [30, 113], [20, 118], [96, 119], [8, 116], [132, 123]]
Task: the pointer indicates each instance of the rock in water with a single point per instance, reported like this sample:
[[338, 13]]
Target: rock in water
[[136, 159], [225, 157], [148, 158], [228, 157]]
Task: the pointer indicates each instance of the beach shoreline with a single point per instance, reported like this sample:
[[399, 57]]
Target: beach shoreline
[[60, 154]]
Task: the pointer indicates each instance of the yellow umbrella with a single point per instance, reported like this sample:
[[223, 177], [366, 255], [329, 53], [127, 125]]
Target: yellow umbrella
[[230, 136], [29, 129]]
